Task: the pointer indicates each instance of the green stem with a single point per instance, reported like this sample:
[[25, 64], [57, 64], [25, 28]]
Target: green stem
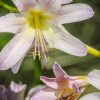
[[8, 7], [37, 70]]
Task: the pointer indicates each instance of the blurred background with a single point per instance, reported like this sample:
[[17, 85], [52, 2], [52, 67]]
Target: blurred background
[[87, 31]]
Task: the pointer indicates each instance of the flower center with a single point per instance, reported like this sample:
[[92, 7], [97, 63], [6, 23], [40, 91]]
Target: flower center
[[71, 91], [38, 20], [42, 17]]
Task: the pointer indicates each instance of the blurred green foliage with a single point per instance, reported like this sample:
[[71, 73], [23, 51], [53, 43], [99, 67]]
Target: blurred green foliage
[[88, 31]]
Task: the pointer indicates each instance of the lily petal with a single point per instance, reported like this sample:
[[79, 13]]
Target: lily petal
[[16, 91], [7, 23], [51, 82], [64, 41], [24, 5], [16, 49], [91, 96], [16, 67], [58, 71], [51, 5], [34, 90], [67, 1], [54, 83], [74, 13], [45, 94], [17, 87], [94, 78]]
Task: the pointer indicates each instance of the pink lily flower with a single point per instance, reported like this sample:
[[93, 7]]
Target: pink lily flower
[[65, 87], [62, 87]]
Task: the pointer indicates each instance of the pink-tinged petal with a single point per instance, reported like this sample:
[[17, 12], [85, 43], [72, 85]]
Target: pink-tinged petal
[[16, 67], [51, 5], [16, 91], [58, 71], [24, 5], [67, 1], [34, 90], [64, 41], [74, 13], [17, 87], [7, 23], [51, 82], [45, 94], [91, 96], [54, 82], [16, 49], [94, 78]]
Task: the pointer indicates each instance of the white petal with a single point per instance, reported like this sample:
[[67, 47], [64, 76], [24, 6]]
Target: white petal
[[74, 13], [45, 94], [94, 78], [24, 5], [67, 1], [91, 96], [34, 90], [16, 67], [7, 23], [64, 41], [17, 87], [16, 91], [16, 49], [51, 5]]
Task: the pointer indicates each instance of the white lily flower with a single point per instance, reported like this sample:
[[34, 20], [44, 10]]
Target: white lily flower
[[37, 27]]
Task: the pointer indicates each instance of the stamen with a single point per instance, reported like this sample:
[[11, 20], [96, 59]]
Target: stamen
[[40, 44], [61, 94]]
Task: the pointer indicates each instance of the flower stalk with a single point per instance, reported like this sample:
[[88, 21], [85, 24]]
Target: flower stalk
[[37, 70], [8, 7], [93, 51]]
